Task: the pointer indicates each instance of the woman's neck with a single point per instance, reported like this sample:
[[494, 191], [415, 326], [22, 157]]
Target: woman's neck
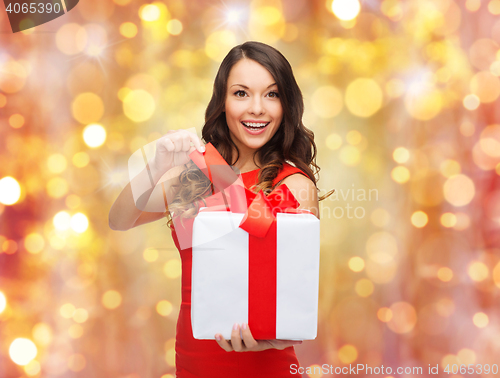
[[246, 161]]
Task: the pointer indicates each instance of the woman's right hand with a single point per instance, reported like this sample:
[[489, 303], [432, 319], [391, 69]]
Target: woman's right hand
[[245, 342], [173, 149]]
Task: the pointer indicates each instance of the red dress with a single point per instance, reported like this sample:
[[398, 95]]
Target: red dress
[[205, 358]]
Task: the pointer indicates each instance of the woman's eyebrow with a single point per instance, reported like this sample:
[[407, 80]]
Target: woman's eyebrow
[[244, 86]]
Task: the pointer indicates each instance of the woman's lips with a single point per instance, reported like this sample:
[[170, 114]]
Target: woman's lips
[[255, 131]]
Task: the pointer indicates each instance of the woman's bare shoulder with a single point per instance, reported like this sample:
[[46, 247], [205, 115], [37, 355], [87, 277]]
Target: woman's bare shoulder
[[304, 190]]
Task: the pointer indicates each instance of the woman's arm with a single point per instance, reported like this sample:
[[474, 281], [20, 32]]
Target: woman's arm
[[126, 214], [172, 152]]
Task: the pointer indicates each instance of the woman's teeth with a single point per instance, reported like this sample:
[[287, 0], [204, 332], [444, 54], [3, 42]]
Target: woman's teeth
[[254, 126]]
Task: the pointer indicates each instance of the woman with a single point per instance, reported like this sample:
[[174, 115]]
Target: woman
[[254, 120]]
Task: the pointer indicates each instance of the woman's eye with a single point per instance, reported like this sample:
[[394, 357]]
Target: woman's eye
[[241, 93]]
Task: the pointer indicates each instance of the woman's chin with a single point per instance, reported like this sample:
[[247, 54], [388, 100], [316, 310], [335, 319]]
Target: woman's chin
[[251, 142], [255, 143]]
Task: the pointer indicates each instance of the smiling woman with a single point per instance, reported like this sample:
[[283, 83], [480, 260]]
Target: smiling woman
[[253, 110], [254, 120]]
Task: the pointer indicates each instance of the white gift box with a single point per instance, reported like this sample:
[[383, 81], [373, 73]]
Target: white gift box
[[220, 275]]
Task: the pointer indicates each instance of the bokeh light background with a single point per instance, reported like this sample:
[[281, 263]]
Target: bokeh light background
[[403, 99]]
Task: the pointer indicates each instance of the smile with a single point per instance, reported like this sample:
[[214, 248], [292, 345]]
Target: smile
[[255, 128]]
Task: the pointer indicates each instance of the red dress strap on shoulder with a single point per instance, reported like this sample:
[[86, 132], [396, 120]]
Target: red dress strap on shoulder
[[287, 170]]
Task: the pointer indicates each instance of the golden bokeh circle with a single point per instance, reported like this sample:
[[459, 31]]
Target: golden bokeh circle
[[87, 108], [404, 318], [485, 86], [13, 76], [425, 104], [71, 39], [139, 105], [363, 97], [327, 101], [459, 190]]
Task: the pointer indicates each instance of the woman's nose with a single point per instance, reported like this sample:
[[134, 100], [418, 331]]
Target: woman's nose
[[256, 105]]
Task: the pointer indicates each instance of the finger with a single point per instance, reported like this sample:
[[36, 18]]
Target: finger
[[191, 149], [290, 341], [250, 342], [186, 143], [197, 142], [223, 343], [282, 344], [178, 143], [236, 339], [169, 145]]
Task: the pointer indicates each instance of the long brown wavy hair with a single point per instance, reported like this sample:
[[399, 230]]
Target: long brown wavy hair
[[292, 143]]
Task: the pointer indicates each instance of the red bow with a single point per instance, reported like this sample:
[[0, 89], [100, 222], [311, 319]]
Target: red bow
[[260, 210]]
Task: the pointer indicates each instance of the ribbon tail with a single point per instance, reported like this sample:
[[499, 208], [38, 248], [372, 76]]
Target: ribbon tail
[[222, 176]]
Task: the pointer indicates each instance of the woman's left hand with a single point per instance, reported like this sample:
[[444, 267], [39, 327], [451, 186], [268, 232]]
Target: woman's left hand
[[246, 342]]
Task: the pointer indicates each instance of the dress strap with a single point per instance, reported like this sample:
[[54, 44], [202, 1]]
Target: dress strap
[[287, 170]]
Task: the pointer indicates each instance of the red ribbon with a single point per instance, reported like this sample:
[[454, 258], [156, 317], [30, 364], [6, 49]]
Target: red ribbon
[[261, 213], [262, 284], [260, 223], [222, 176], [213, 165]]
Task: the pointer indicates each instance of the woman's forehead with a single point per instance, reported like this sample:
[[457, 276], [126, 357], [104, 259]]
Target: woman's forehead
[[250, 74]]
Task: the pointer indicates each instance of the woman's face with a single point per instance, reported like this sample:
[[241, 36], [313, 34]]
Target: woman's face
[[253, 107]]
